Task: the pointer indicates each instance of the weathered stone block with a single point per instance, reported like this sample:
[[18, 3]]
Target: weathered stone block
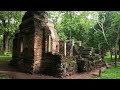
[[58, 66]]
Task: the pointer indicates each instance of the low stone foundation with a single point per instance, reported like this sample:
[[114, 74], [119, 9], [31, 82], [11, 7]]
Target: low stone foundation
[[85, 64], [58, 66]]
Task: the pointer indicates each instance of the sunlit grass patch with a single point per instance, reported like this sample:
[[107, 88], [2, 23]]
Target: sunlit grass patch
[[5, 58], [111, 73]]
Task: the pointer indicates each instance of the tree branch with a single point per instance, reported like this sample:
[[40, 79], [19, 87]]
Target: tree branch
[[100, 27]]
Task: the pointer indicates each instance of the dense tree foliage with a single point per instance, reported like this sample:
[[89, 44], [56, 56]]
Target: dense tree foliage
[[98, 29], [9, 23]]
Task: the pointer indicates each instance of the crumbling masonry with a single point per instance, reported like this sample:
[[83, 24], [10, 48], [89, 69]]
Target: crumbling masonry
[[37, 48], [29, 42]]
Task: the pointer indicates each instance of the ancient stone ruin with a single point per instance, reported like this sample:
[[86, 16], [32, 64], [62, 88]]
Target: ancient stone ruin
[[35, 38], [38, 49]]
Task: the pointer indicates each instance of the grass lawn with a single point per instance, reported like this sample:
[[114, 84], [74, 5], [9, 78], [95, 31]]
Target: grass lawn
[[111, 73]]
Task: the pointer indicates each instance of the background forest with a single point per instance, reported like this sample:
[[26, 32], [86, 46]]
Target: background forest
[[98, 29]]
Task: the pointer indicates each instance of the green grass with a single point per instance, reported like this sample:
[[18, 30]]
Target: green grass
[[5, 76], [111, 73], [5, 58], [107, 57]]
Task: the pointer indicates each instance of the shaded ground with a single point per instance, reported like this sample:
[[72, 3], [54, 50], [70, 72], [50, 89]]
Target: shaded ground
[[15, 74]]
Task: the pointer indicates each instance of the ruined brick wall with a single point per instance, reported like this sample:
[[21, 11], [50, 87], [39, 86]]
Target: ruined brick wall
[[38, 46], [55, 46], [58, 66], [61, 47], [33, 55], [35, 41], [54, 37], [68, 47], [32, 31], [68, 66]]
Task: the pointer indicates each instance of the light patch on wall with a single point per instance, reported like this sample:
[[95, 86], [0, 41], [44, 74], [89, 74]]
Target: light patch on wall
[[52, 33]]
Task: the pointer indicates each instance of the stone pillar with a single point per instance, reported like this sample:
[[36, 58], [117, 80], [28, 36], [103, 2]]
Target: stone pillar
[[16, 50], [64, 48], [71, 50], [33, 26], [46, 45], [38, 50], [49, 44], [61, 47], [21, 45], [28, 51]]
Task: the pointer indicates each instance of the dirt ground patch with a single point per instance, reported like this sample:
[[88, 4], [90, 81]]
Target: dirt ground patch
[[15, 74]]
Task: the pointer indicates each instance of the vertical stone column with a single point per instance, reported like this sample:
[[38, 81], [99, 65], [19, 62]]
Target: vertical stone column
[[46, 45], [38, 50], [49, 43], [61, 47], [64, 48], [21, 44], [16, 50], [28, 50], [39, 41], [33, 26]]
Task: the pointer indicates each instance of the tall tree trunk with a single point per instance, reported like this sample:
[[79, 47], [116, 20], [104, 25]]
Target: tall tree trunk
[[117, 43], [104, 35], [111, 52], [109, 46], [119, 48], [111, 55], [116, 54], [5, 42]]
